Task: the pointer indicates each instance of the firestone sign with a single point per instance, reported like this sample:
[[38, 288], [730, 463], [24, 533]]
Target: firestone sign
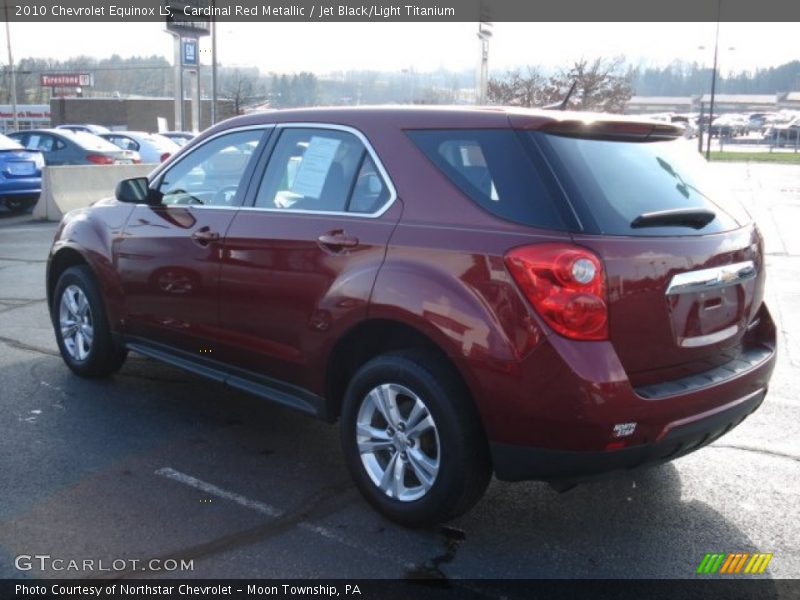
[[67, 80]]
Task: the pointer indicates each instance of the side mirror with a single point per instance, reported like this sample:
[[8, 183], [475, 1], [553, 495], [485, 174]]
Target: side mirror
[[136, 191]]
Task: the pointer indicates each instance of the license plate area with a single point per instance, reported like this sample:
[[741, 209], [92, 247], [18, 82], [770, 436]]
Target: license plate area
[[710, 306], [21, 168]]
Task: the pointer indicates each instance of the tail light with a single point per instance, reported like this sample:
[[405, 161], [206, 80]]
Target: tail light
[[99, 159], [165, 156], [566, 286]]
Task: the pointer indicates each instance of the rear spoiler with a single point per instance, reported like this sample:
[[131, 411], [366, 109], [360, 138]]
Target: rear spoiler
[[631, 131]]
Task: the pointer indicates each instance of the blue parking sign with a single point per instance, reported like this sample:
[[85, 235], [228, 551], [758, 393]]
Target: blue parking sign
[[189, 52]]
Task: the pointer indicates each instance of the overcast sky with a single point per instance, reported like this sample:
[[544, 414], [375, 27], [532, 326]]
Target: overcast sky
[[326, 47]]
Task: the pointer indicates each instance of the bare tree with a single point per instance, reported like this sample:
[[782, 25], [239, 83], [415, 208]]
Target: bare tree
[[519, 89], [602, 84], [238, 86]]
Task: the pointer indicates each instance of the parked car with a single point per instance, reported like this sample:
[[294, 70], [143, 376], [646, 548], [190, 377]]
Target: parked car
[[152, 147], [67, 147], [179, 137], [87, 128], [535, 294], [20, 175], [784, 134], [757, 121], [730, 125], [689, 124]]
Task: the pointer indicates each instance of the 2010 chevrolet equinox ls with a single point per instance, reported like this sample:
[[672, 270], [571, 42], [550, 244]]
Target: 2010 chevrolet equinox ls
[[535, 294]]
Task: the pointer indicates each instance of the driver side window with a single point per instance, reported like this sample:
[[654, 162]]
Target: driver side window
[[211, 174]]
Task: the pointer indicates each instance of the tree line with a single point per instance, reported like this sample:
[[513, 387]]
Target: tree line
[[601, 83], [688, 79]]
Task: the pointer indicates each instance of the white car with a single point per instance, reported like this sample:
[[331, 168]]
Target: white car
[[153, 148], [179, 137]]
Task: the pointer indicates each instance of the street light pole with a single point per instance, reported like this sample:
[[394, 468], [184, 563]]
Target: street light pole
[[12, 72], [484, 34], [213, 69], [713, 83]]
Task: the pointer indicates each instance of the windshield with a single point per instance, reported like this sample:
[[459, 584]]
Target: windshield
[[611, 183]]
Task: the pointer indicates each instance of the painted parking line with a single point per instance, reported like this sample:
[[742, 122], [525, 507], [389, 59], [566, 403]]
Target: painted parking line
[[272, 511], [210, 488], [325, 532]]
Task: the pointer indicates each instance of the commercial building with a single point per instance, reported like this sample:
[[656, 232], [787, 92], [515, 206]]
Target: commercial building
[[723, 103], [29, 116], [135, 114]]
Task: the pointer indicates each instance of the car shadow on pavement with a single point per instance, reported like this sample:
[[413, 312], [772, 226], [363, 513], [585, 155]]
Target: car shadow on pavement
[[636, 524], [107, 439]]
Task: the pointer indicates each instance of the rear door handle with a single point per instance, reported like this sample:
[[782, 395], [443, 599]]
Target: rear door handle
[[205, 235], [337, 240]]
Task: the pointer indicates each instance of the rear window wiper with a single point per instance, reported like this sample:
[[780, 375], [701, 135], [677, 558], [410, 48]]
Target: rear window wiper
[[696, 218]]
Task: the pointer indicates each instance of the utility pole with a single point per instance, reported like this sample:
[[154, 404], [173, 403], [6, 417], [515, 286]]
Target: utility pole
[[713, 84], [12, 71], [213, 69]]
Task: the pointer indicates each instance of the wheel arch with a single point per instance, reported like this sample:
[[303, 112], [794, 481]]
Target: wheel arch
[[61, 260], [371, 338]]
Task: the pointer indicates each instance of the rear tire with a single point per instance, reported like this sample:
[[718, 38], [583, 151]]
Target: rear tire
[[428, 461], [81, 325], [18, 205]]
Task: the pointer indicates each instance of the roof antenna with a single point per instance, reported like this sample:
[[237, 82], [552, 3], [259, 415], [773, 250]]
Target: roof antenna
[[563, 104]]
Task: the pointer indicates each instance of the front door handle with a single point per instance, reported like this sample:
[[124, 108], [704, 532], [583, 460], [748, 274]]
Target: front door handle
[[337, 240], [204, 235]]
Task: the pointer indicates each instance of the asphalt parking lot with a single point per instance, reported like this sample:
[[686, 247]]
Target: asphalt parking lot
[[158, 463]]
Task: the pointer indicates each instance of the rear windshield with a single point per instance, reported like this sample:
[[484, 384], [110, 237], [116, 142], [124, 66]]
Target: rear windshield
[[160, 141], [610, 183], [495, 169], [9, 144]]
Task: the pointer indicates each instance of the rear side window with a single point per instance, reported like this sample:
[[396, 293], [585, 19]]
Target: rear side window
[[494, 169], [611, 183], [123, 142]]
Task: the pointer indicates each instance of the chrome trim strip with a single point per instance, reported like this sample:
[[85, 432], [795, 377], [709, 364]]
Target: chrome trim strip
[[713, 278], [711, 338], [362, 138]]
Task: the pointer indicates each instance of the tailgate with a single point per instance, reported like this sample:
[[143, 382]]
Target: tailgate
[[680, 305]]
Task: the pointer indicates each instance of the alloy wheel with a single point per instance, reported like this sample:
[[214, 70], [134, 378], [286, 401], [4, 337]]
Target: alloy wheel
[[398, 442], [75, 321]]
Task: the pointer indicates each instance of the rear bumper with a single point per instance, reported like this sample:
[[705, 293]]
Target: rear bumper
[[17, 188], [517, 463]]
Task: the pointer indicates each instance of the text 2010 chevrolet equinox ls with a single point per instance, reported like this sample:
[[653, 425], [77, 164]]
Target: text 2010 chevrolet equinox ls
[[539, 295]]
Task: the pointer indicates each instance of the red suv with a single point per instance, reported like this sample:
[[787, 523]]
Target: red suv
[[535, 294]]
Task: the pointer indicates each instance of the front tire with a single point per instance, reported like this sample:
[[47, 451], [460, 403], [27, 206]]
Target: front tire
[[412, 439], [81, 325]]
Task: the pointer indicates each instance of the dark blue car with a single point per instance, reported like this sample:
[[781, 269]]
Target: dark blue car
[[20, 175]]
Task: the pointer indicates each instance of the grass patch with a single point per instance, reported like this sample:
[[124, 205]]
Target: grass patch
[[771, 157]]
